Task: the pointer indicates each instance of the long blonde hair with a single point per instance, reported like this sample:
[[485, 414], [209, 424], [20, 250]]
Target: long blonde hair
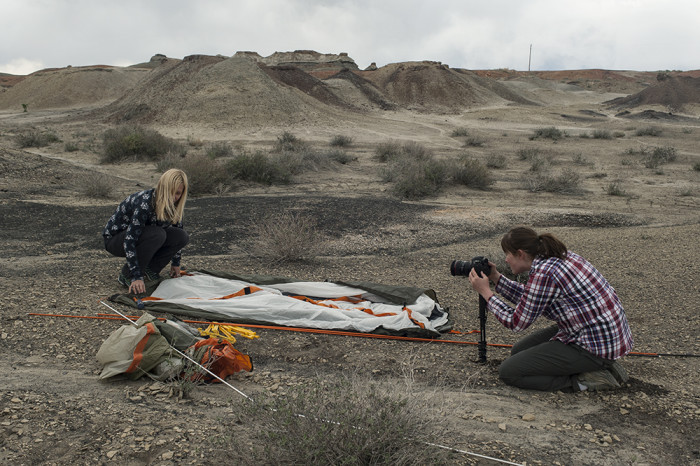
[[165, 206]]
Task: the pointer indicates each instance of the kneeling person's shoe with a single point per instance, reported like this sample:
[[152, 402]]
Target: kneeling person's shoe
[[150, 275], [619, 372], [597, 381], [123, 280]]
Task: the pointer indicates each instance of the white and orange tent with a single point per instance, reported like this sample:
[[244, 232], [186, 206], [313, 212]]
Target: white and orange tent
[[348, 306]]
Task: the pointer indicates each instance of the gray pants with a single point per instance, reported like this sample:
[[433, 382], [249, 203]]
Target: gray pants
[[537, 363], [154, 249]]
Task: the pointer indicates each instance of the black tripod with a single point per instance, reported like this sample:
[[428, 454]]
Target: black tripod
[[482, 330]]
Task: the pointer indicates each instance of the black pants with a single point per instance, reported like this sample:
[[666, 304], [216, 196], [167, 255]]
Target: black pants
[[538, 363], [154, 249]]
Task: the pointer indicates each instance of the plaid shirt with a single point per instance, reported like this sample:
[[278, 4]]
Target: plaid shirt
[[132, 215], [575, 295]]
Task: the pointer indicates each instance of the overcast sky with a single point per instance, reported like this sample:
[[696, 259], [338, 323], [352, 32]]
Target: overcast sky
[[643, 35]]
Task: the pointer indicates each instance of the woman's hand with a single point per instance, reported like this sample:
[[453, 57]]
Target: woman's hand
[[480, 283], [174, 271], [137, 287]]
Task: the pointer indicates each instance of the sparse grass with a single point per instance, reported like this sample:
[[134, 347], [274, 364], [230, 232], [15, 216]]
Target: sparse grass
[[71, 147], [696, 166], [472, 173], [259, 168], [566, 182], [541, 162], [649, 131], [194, 142], [286, 237], [219, 149], [496, 161], [341, 141], [36, 139], [602, 134], [339, 156], [416, 151], [528, 154], [548, 133], [96, 186], [615, 189], [288, 142], [387, 151], [580, 159], [137, 143], [414, 171], [687, 191], [459, 132], [340, 421], [204, 174], [641, 151], [474, 141], [660, 156], [416, 178]]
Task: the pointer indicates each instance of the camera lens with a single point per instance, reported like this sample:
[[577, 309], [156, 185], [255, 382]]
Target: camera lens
[[460, 268]]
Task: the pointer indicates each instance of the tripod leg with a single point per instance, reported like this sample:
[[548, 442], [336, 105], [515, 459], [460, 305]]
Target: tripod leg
[[482, 330]]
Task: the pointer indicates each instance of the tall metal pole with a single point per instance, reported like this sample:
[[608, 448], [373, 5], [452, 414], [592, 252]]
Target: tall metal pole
[[529, 60]]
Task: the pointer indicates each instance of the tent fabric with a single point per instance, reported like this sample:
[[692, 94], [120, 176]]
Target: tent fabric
[[133, 350], [267, 300]]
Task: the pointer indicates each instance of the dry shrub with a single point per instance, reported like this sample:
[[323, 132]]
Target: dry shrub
[[286, 237], [416, 179], [137, 143], [566, 182], [204, 174], [472, 173], [96, 186], [35, 139], [287, 142], [387, 151], [615, 189], [652, 131], [219, 149], [341, 421], [548, 133], [496, 161], [413, 170], [259, 168], [660, 156], [341, 141]]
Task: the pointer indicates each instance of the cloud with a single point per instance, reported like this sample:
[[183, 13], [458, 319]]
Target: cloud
[[612, 34], [20, 66]]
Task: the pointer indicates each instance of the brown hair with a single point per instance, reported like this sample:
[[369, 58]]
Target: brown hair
[[165, 206], [545, 245]]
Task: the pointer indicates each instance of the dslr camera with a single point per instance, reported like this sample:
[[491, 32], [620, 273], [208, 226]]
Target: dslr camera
[[480, 264]]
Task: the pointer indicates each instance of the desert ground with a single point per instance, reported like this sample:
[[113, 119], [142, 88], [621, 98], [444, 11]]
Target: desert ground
[[642, 236]]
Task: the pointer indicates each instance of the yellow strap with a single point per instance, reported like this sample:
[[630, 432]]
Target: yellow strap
[[227, 332]]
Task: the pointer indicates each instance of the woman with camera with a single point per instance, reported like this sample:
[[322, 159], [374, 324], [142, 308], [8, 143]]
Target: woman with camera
[[580, 352]]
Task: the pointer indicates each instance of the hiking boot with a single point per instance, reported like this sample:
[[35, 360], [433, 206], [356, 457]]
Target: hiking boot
[[150, 275], [126, 282], [619, 372], [597, 381]]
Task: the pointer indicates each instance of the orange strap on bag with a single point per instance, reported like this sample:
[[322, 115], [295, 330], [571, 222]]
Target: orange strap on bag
[[221, 358]]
